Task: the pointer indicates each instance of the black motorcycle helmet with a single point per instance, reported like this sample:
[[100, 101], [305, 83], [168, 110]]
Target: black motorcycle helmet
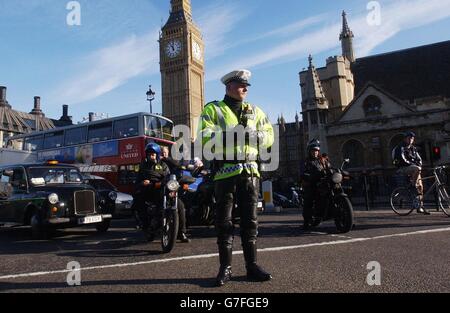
[[314, 145]]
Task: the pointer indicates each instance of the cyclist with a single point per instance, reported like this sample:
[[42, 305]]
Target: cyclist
[[409, 162]]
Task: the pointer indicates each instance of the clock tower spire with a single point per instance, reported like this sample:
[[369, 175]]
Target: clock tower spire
[[182, 67]]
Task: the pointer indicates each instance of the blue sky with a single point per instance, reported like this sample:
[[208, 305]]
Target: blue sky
[[106, 64]]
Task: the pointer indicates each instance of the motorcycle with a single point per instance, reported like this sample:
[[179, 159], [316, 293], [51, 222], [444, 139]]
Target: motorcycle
[[332, 202], [163, 219], [199, 199]]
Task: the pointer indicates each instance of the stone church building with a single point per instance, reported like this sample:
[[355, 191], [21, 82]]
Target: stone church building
[[360, 107]]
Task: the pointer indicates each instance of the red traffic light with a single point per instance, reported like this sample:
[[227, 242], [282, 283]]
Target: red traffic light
[[436, 153]]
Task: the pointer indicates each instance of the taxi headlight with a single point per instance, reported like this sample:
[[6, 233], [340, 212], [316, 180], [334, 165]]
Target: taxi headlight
[[173, 185], [53, 198], [112, 195], [337, 178]]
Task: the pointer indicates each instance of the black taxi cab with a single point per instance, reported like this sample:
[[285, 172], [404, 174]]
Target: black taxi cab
[[48, 196]]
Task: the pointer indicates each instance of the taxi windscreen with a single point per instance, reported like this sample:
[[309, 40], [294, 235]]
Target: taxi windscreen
[[52, 175]]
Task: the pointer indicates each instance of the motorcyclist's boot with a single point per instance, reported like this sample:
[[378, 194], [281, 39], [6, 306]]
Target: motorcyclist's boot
[[254, 271], [307, 225], [183, 238], [225, 273]]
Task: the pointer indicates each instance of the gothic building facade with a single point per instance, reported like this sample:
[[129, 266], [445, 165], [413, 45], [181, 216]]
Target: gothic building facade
[[182, 67], [360, 107]]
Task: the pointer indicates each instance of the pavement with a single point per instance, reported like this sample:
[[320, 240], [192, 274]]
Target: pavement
[[384, 253]]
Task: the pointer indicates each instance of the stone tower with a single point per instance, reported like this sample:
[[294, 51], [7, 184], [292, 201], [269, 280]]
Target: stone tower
[[182, 67], [314, 106], [346, 39]]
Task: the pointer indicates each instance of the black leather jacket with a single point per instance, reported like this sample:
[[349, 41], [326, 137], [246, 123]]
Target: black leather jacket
[[314, 170], [153, 172], [173, 165], [407, 156]]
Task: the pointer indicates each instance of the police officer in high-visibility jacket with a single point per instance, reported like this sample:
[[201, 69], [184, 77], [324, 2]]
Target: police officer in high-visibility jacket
[[236, 169]]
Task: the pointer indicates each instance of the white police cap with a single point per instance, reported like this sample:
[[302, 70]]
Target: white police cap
[[240, 76]]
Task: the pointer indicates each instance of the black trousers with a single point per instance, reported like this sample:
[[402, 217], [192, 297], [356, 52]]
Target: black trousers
[[314, 203], [143, 195], [308, 205], [244, 191]]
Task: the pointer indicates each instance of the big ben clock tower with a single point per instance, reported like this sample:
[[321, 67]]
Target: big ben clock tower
[[182, 67]]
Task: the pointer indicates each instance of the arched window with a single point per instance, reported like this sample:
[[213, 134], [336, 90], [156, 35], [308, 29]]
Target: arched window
[[354, 150], [372, 105]]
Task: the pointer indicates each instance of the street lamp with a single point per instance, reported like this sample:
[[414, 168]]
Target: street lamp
[[150, 97]]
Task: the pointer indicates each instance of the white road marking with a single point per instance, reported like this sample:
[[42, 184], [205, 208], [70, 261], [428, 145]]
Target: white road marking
[[212, 255], [332, 235]]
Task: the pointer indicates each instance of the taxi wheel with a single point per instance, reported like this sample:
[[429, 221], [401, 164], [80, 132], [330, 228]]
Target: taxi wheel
[[103, 226], [38, 231]]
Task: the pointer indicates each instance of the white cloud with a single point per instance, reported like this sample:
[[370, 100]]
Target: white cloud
[[396, 17], [288, 30], [216, 28], [110, 67]]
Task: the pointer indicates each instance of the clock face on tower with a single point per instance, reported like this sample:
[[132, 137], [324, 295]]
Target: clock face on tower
[[173, 48], [197, 51]]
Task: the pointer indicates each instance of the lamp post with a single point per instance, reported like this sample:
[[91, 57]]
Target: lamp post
[[150, 97]]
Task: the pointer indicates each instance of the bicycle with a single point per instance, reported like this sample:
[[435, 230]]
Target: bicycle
[[405, 199]]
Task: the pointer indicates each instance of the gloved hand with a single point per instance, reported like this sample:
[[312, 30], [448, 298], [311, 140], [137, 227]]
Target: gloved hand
[[254, 137]]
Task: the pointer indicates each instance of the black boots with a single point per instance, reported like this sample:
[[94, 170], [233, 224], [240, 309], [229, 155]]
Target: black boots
[[225, 256], [224, 275], [254, 272]]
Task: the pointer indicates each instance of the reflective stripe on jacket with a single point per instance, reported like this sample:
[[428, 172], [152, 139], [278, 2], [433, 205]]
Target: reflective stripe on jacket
[[218, 118]]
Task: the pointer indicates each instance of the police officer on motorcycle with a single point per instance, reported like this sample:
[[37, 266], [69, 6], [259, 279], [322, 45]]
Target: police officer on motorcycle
[[176, 168], [314, 169], [151, 170]]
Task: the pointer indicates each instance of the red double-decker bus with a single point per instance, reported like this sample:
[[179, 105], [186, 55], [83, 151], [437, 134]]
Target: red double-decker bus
[[112, 148]]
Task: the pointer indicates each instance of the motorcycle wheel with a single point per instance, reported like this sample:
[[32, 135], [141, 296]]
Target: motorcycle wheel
[[344, 217], [169, 231]]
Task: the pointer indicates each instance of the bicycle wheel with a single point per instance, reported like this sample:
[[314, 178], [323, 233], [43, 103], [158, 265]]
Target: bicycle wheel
[[402, 201], [444, 199]]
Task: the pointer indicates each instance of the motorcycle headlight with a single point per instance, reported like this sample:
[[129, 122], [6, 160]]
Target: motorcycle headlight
[[53, 198], [112, 195], [337, 178], [173, 185]]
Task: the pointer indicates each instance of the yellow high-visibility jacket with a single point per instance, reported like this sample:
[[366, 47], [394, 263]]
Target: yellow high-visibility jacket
[[217, 118]]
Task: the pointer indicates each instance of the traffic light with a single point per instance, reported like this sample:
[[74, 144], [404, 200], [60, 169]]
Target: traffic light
[[436, 153]]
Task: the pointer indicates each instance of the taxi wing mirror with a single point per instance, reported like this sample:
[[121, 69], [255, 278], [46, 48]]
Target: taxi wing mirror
[[8, 173]]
